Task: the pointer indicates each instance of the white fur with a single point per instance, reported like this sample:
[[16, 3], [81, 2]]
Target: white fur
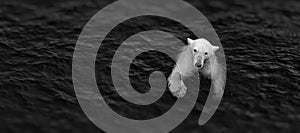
[[188, 61]]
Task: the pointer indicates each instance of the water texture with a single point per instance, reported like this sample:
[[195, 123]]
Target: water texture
[[260, 40]]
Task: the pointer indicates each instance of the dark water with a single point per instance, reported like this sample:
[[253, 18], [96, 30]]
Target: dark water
[[260, 40]]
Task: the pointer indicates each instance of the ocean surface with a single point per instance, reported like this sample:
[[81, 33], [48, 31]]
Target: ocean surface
[[260, 41]]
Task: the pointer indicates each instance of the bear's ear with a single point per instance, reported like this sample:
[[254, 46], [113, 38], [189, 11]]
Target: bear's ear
[[190, 41], [215, 48]]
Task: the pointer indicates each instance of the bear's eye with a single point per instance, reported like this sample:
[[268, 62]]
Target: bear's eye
[[195, 50], [206, 53]]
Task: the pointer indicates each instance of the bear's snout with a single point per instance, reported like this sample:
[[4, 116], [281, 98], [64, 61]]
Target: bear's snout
[[198, 64], [199, 61]]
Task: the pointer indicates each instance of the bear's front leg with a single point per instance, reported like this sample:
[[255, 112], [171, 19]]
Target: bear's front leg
[[178, 90], [176, 85], [182, 91]]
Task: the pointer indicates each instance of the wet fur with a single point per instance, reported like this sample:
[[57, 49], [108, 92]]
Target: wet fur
[[185, 68]]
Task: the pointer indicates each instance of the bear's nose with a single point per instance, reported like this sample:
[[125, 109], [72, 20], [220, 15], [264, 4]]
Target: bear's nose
[[199, 65]]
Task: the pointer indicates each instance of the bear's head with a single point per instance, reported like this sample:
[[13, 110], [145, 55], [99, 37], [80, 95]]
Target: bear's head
[[202, 50]]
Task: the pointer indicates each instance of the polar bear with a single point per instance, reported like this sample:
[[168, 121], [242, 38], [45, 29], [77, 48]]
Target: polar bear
[[197, 56]]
